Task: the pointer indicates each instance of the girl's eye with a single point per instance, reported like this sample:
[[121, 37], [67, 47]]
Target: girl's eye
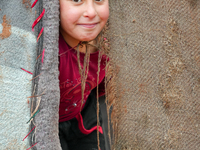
[[77, 1], [98, 0]]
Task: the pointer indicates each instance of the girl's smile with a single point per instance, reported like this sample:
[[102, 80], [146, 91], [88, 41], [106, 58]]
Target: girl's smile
[[88, 25]]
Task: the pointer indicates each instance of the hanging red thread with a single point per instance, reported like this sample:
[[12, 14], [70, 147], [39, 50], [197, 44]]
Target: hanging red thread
[[38, 19], [41, 31], [32, 146], [27, 71], [29, 133], [34, 3], [43, 56]]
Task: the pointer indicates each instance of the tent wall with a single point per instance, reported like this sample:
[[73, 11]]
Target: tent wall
[[155, 52], [17, 50], [153, 75]]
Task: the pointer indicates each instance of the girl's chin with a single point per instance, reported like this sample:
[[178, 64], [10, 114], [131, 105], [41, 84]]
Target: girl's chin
[[88, 38]]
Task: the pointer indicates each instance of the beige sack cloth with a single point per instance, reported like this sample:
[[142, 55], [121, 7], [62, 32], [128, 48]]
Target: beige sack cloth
[[155, 54]]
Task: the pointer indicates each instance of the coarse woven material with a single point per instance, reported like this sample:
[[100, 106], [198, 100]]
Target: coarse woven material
[[46, 83], [155, 53], [17, 50], [155, 63]]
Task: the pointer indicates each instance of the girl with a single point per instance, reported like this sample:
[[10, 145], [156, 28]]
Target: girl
[[81, 21]]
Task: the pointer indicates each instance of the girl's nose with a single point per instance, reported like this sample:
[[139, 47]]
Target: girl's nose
[[90, 10]]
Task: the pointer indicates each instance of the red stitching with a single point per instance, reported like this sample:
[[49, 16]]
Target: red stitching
[[41, 31], [43, 56], [31, 146], [38, 19], [29, 133], [34, 3], [27, 71]]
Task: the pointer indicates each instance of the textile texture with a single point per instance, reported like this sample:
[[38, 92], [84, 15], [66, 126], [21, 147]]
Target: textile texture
[[46, 85], [155, 56], [152, 84], [17, 50]]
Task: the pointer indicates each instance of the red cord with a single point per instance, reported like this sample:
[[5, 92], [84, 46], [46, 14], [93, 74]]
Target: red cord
[[43, 56], [29, 133], [41, 31], [82, 128], [38, 19], [34, 3], [31, 146], [27, 71]]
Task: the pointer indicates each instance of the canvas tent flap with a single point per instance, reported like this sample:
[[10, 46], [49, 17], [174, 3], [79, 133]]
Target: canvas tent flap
[[155, 45], [153, 75]]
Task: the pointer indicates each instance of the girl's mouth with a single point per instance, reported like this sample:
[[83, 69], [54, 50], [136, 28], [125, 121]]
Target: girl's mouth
[[92, 25]]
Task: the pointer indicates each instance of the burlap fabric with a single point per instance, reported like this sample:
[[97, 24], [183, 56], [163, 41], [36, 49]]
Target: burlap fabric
[[154, 77], [155, 54]]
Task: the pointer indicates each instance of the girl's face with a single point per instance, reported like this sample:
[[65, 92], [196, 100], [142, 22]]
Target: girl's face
[[82, 20]]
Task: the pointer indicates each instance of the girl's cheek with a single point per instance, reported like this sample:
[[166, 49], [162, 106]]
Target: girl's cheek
[[104, 13]]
